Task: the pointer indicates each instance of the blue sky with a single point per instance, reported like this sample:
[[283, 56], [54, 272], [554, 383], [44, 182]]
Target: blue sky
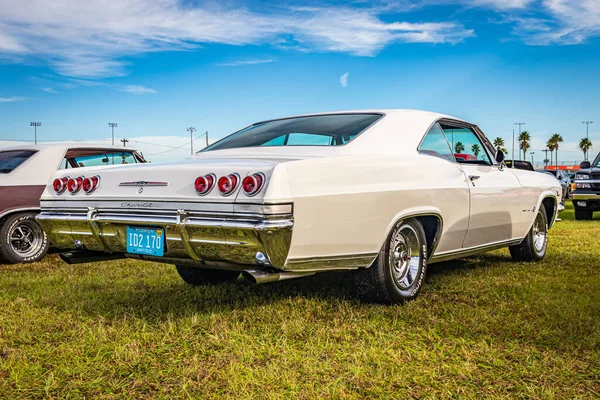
[[158, 66]]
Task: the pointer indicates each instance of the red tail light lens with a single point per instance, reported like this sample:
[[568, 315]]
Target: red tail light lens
[[74, 184], [60, 185], [90, 184], [204, 184], [253, 183], [227, 184]]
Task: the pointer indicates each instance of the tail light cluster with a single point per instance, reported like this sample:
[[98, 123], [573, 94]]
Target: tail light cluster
[[227, 184], [74, 185]]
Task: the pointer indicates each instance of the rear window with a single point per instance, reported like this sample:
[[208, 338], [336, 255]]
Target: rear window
[[318, 130], [9, 160], [100, 159]]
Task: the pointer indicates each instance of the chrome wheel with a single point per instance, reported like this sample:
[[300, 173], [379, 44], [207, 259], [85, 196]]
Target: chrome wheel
[[26, 238], [539, 233], [405, 256]]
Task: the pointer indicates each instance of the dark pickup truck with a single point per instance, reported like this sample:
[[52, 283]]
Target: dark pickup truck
[[586, 196]]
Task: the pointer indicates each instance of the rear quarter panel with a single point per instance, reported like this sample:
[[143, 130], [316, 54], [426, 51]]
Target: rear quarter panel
[[347, 205], [536, 187]]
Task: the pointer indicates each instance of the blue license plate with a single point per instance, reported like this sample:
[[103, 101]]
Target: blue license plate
[[147, 241]]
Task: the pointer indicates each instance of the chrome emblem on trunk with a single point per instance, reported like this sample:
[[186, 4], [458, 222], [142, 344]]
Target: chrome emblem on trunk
[[143, 183]]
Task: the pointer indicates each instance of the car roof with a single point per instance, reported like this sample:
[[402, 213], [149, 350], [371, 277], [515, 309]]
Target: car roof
[[64, 147]]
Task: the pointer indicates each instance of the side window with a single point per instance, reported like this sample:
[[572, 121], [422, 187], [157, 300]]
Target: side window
[[435, 144], [466, 145]]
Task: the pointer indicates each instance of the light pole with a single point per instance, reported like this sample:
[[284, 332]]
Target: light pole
[[113, 125], [587, 128], [35, 126], [191, 130], [513, 150], [532, 153], [546, 158]]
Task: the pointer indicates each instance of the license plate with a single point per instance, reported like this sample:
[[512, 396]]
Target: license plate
[[147, 241]]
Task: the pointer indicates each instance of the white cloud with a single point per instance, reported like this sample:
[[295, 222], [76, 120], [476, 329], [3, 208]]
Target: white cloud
[[568, 22], [137, 89], [91, 38], [344, 79], [11, 99], [502, 4], [49, 90], [246, 62]]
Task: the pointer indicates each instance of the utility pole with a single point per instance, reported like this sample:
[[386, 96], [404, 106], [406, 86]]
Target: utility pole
[[206, 138], [124, 141], [520, 124], [532, 153], [546, 158], [35, 126], [113, 125], [191, 130]]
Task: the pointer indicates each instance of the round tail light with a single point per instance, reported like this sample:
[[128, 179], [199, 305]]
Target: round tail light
[[204, 184], [253, 183], [90, 184], [227, 184], [60, 185], [74, 184]]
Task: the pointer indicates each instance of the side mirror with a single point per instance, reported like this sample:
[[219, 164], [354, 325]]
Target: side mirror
[[499, 156], [585, 165]]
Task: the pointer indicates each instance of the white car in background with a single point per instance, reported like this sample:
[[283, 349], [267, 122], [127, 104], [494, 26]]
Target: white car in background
[[24, 174], [379, 192]]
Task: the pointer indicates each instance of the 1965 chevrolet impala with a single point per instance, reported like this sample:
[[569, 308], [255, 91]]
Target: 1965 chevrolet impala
[[380, 192]]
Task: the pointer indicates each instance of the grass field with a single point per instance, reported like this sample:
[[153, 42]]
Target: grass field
[[482, 327]]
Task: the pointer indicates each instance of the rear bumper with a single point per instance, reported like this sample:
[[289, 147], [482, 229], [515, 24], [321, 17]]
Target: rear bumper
[[233, 239], [585, 196]]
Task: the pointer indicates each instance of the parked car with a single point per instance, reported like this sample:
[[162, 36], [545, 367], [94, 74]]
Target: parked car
[[586, 197], [379, 192], [564, 180], [520, 164], [24, 173]]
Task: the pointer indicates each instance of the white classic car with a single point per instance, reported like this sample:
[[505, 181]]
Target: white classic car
[[379, 192], [24, 174]]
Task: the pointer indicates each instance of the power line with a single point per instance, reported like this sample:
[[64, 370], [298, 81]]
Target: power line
[[175, 148]]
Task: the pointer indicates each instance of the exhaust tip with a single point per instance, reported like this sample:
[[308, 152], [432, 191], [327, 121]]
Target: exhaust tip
[[247, 275]]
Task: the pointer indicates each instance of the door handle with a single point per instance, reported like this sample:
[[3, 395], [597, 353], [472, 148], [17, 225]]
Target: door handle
[[473, 178]]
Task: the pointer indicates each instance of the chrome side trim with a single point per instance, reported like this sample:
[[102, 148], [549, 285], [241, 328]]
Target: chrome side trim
[[350, 261], [452, 255], [17, 210]]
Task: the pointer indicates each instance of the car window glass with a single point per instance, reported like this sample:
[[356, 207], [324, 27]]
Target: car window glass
[[9, 160], [103, 159], [466, 145], [435, 144]]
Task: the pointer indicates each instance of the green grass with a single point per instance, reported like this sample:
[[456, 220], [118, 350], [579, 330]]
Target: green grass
[[482, 327]]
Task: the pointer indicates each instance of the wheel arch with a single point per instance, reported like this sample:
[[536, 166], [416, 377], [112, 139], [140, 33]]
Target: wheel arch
[[7, 213], [432, 222]]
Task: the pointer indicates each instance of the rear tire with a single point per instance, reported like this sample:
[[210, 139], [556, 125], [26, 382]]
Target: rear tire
[[200, 276], [398, 272], [533, 247], [582, 214], [22, 239]]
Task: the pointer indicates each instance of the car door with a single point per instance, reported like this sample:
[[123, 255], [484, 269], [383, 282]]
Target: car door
[[495, 191]]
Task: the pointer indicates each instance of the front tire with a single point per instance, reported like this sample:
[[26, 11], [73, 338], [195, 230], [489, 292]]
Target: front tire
[[533, 247], [398, 272], [582, 214], [200, 276], [22, 239]]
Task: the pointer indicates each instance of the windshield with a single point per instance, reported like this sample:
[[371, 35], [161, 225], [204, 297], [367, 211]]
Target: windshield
[[9, 160], [101, 159], [318, 130]]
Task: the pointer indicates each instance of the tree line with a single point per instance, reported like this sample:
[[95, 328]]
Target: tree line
[[552, 145]]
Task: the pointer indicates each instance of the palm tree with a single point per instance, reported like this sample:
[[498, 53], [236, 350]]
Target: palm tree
[[584, 145], [476, 149], [524, 143], [459, 147], [556, 139], [499, 144], [550, 145]]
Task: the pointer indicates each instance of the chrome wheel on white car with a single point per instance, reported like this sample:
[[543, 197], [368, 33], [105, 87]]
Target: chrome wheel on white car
[[398, 272], [533, 247], [22, 239]]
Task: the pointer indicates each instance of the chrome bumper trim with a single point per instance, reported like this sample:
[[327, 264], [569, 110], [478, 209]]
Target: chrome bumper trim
[[585, 196], [352, 261], [231, 239]]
